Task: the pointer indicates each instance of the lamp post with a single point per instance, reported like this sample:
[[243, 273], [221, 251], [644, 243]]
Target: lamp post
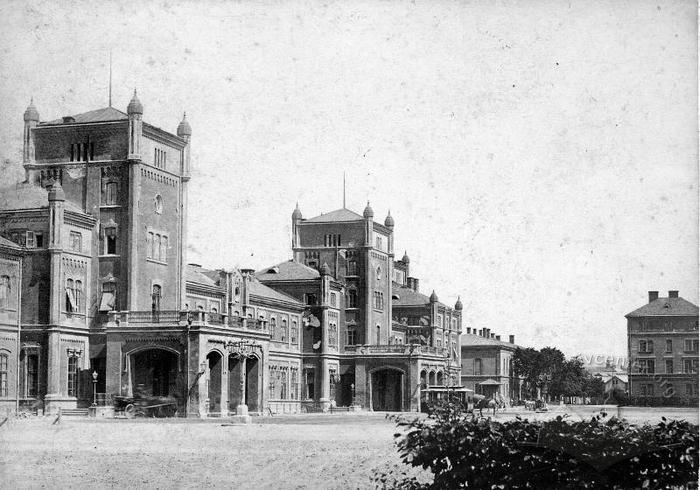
[[352, 387], [94, 388]]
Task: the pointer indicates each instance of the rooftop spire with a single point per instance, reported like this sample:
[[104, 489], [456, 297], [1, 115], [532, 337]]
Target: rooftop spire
[[110, 78], [343, 189]]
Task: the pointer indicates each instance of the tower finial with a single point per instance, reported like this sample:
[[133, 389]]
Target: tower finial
[[343, 189]]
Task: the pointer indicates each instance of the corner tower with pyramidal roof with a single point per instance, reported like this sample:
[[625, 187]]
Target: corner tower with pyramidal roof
[[104, 212]]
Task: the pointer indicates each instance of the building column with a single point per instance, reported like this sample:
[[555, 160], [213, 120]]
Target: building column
[[224, 386], [53, 373], [242, 408]]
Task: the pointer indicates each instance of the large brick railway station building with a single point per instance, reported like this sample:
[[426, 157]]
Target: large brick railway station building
[[96, 294]]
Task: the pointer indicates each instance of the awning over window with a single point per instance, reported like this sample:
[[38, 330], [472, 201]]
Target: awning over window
[[107, 303], [71, 299]]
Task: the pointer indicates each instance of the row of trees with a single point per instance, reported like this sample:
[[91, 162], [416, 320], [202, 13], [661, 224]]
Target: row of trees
[[547, 373]]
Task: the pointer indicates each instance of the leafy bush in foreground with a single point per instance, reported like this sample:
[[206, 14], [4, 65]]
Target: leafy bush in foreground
[[468, 452]]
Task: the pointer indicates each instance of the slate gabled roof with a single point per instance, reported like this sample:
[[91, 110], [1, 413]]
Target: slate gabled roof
[[259, 289], [98, 115], [29, 196], [337, 215], [666, 307], [196, 275], [469, 339], [287, 271], [408, 297]]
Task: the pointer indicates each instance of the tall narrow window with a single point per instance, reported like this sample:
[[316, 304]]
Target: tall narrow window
[[309, 391], [72, 376], [379, 334], [157, 248], [283, 331], [477, 367], [4, 291], [352, 268], [70, 296], [150, 238], [155, 302], [352, 298], [110, 196], [3, 375], [352, 336], [111, 240], [76, 241], [273, 328], [379, 275], [294, 384], [78, 295], [32, 361], [163, 248], [294, 335]]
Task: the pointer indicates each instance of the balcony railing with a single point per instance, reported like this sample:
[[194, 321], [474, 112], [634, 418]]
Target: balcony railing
[[407, 349], [182, 317]]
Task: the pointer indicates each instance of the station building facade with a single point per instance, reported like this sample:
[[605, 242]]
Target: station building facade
[[96, 295]]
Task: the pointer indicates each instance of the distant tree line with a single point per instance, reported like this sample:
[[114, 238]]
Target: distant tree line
[[548, 374]]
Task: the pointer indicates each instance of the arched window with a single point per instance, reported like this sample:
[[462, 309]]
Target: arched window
[[164, 249], [352, 298], [379, 334], [294, 335], [155, 298], [149, 245], [477, 367], [110, 193], [284, 329], [352, 268], [273, 328], [5, 290], [78, 294], [4, 383], [379, 275], [156, 248]]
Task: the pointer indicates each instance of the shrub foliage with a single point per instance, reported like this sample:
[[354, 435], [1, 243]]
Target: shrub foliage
[[463, 451]]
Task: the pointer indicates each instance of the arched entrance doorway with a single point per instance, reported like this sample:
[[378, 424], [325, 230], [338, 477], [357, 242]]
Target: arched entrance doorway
[[387, 390], [214, 389], [154, 372]]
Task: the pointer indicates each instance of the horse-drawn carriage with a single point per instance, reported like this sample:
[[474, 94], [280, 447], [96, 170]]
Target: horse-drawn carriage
[[145, 406]]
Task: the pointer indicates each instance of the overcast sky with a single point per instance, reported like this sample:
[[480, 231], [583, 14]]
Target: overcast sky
[[539, 158]]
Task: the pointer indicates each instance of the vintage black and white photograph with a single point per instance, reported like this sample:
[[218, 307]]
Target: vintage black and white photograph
[[383, 244]]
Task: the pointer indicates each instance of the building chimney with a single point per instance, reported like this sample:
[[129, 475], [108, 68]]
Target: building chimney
[[653, 296], [511, 339], [469, 330], [479, 332], [415, 285], [498, 337], [673, 294], [493, 335]]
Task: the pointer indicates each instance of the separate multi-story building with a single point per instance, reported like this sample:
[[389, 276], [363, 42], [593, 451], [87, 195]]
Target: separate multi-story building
[[662, 343], [487, 365]]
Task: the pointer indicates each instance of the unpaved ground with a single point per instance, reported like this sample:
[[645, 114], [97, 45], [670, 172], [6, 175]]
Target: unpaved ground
[[303, 451], [180, 454]]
